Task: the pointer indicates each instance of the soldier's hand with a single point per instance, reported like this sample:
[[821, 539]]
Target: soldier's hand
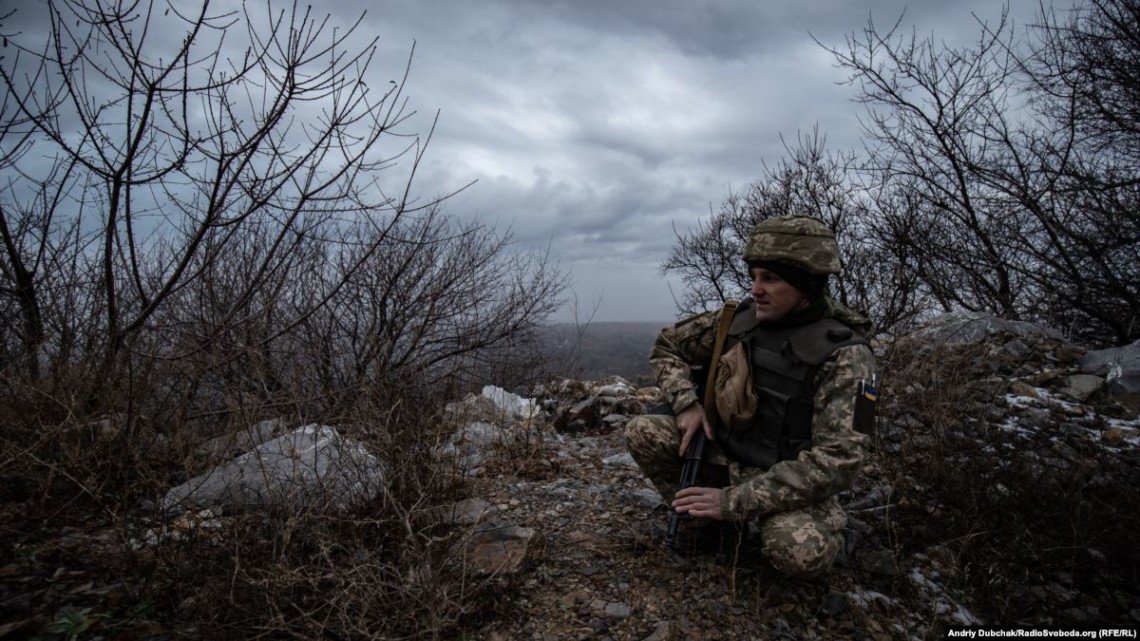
[[701, 502], [691, 419]]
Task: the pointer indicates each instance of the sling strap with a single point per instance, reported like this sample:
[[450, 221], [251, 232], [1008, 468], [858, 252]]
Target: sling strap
[[726, 315]]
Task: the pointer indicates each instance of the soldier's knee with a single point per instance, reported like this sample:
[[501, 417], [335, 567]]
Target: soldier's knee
[[649, 433], [801, 548], [806, 561], [635, 429]]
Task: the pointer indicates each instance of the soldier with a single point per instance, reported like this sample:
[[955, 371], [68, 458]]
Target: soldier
[[784, 433]]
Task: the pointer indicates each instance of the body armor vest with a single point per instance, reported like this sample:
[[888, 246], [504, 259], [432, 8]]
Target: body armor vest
[[784, 362]]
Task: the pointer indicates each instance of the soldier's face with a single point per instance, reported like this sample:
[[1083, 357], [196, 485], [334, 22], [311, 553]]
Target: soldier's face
[[774, 297]]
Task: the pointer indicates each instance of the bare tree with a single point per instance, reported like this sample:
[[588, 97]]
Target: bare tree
[[214, 196], [809, 181], [1014, 163], [934, 119], [1082, 70]]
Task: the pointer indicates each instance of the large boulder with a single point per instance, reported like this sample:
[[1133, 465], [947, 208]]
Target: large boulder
[[474, 408], [975, 327], [494, 405], [1120, 367], [228, 446], [311, 467]]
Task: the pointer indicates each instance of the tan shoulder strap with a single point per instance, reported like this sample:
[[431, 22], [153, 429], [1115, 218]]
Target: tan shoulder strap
[[726, 316]]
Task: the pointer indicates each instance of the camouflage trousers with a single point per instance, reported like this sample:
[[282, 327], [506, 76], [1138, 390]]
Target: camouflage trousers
[[801, 543]]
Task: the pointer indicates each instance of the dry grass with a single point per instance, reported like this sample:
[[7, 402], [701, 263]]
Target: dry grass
[[79, 509]]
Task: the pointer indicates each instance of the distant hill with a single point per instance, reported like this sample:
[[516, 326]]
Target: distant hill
[[602, 349]]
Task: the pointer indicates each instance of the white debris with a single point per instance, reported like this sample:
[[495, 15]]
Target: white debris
[[522, 409]]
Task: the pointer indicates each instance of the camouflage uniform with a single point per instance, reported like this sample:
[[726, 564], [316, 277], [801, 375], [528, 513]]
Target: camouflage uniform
[[800, 518]]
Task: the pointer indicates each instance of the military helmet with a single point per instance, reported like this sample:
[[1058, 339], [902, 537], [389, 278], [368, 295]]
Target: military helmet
[[801, 241]]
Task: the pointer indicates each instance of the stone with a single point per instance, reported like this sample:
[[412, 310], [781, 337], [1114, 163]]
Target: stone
[[582, 416], [469, 511], [522, 409], [645, 497], [311, 467], [1021, 388], [616, 390], [1120, 367], [1081, 386], [663, 632], [1113, 436], [1017, 349], [624, 460], [472, 409], [575, 598], [879, 562], [1046, 376], [499, 550], [1068, 354], [473, 445], [617, 610], [610, 609], [974, 327], [597, 625]]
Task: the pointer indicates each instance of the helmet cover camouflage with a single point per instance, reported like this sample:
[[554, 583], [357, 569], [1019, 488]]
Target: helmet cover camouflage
[[801, 241]]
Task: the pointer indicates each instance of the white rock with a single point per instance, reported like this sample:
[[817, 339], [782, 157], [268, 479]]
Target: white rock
[[313, 466], [511, 404]]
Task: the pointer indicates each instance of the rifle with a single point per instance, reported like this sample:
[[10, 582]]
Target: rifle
[[693, 455], [696, 450]]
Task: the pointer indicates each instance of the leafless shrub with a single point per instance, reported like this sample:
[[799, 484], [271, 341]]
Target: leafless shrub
[[375, 571], [998, 177], [1012, 513], [814, 182], [1015, 159], [199, 233]]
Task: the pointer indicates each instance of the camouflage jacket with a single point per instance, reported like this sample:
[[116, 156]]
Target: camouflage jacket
[[835, 457]]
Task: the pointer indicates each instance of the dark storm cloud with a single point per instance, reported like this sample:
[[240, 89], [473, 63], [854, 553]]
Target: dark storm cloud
[[601, 127], [738, 29], [597, 127]]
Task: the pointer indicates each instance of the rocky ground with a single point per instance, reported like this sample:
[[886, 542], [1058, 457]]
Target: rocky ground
[[1003, 488], [945, 528], [597, 566]]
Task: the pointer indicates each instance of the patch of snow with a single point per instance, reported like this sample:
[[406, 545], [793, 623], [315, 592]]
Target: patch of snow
[[1122, 424], [956, 613], [1011, 425], [864, 598], [917, 577]]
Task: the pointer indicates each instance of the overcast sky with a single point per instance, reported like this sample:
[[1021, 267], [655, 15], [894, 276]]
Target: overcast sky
[[601, 125], [597, 127]]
